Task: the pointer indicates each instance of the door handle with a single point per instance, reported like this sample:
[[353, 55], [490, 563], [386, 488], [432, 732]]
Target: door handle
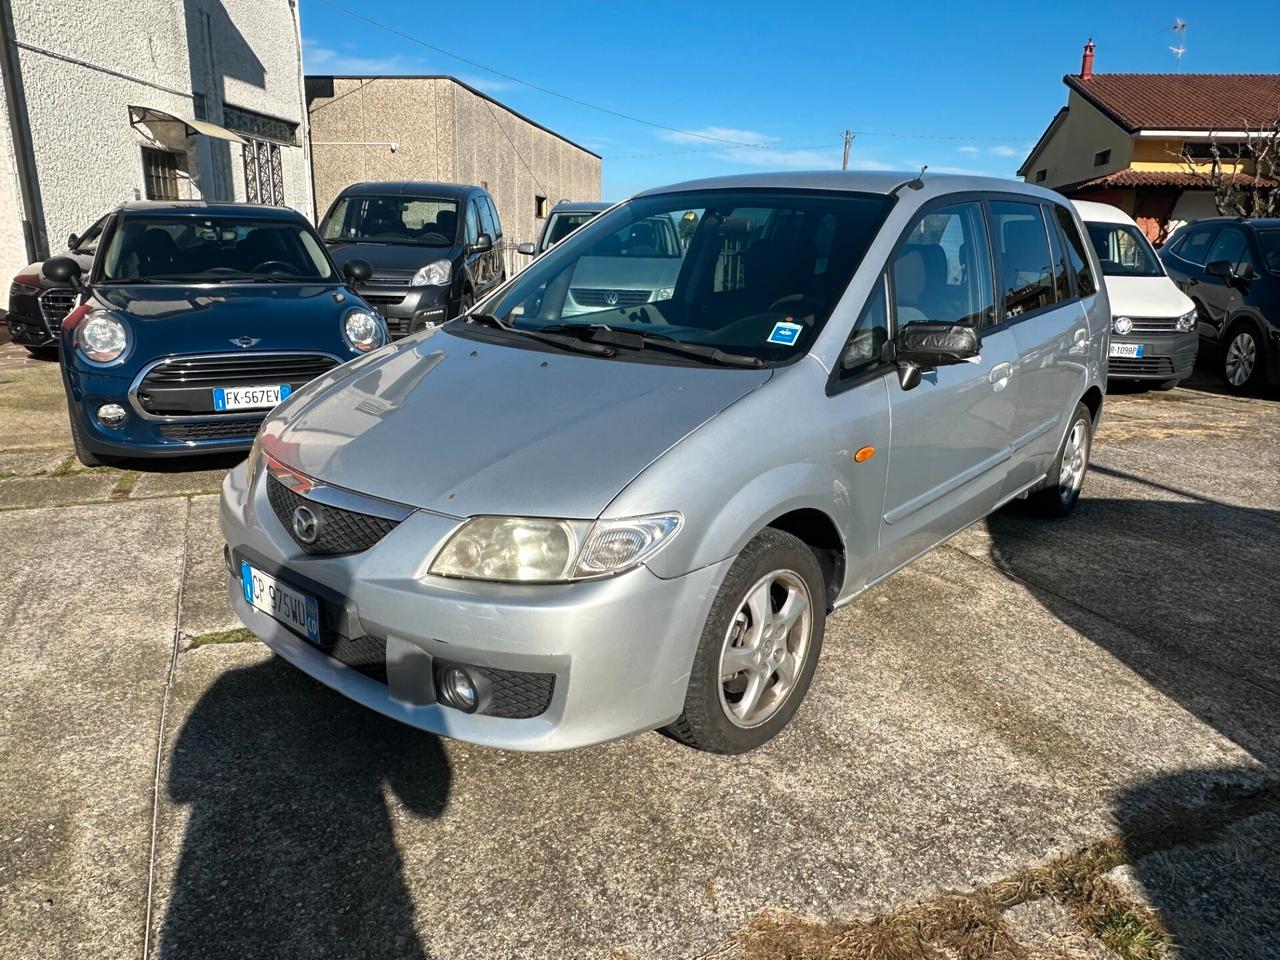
[[1000, 374]]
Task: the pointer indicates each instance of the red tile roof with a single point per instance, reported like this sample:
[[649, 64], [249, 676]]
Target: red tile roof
[[1183, 101], [1156, 178]]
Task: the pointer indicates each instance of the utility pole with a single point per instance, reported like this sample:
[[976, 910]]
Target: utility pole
[[848, 142]]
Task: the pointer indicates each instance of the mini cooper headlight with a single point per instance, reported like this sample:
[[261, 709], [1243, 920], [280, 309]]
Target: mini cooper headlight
[[102, 337], [1187, 322], [435, 274], [362, 329], [538, 550]]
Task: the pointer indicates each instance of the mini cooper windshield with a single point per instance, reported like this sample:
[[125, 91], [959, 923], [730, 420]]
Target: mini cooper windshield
[[213, 250], [748, 274]]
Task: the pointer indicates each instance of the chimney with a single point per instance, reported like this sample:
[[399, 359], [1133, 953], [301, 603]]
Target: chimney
[[1086, 62]]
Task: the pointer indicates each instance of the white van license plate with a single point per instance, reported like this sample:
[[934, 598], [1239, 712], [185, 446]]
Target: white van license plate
[[293, 608], [1130, 350], [250, 398]]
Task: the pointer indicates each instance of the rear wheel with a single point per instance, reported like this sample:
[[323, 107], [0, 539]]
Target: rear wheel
[[759, 647], [1061, 489], [1243, 360]]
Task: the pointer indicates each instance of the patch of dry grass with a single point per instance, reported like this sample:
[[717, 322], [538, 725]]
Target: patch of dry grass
[[238, 635]]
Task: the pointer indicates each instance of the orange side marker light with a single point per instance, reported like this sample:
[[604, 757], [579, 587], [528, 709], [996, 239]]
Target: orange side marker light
[[865, 454]]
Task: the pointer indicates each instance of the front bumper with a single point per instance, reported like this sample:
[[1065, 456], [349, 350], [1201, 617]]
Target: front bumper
[[620, 649], [1166, 356], [409, 309]]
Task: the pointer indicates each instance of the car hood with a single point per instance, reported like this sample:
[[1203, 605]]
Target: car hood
[[168, 319], [1146, 297], [465, 427], [390, 259]]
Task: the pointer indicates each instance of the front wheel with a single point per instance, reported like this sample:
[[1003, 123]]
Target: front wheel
[[759, 647], [1061, 489], [86, 456], [1242, 360]]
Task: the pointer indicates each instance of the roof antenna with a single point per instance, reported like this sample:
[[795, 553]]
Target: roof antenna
[[915, 183], [1180, 28]]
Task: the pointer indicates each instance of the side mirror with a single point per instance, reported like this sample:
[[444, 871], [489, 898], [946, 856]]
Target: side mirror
[[72, 241], [528, 249], [1220, 268], [357, 271], [923, 346], [62, 270], [483, 243]]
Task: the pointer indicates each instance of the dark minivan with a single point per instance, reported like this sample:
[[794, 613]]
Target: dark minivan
[[435, 248], [1230, 267]]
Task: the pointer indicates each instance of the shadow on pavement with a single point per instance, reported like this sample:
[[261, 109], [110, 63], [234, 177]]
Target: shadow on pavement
[[289, 849], [1184, 594]]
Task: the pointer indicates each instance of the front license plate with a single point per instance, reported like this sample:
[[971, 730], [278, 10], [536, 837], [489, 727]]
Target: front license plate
[[1132, 350], [250, 398], [291, 607]]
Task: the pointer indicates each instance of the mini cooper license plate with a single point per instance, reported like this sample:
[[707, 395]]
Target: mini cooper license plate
[[1128, 350], [293, 608], [250, 398]]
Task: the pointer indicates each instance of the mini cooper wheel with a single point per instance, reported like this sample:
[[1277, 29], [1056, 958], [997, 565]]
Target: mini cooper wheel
[[86, 456], [759, 648], [1242, 359], [1061, 489]]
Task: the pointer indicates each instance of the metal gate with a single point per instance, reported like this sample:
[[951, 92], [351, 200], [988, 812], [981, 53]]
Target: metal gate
[[263, 172]]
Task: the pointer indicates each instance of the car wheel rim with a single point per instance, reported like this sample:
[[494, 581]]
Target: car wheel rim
[[765, 648], [1241, 357], [1075, 457]]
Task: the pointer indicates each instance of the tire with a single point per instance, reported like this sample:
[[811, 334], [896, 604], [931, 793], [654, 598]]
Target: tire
[[1166, 384], [1061, 490], [86, 456], [1244, 359], [465, 303], [778, 568], [43, 353]]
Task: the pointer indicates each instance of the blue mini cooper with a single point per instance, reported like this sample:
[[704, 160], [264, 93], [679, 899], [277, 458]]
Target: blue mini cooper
[[196, 319]]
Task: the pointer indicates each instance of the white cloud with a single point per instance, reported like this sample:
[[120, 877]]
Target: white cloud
[[1003, 150], [969, 150], [318, 59], [769, 151], [711, 135]]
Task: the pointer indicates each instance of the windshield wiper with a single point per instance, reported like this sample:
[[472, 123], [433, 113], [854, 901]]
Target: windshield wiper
[[563, 342], [636, 340], [129, 280]]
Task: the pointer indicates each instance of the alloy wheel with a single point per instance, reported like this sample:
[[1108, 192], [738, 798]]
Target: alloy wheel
[[1242, 355], [765, 648], [1075, 458]]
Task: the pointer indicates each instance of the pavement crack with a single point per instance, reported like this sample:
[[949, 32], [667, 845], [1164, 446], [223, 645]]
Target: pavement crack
[[160, 732]]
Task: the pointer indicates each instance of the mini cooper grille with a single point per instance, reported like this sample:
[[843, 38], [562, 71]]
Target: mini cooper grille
[[55, 304], [337, 530], [216, 430], [234, 368], [1146, 366], [600, 297]]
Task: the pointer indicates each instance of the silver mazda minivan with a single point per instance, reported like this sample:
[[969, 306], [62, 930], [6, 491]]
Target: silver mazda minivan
[[539, 528]]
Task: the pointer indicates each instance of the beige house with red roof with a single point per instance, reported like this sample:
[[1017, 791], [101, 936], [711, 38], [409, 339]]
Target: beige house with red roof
[[1125, 139]]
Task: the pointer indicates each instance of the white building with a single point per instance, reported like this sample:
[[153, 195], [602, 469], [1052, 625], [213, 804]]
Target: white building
[[106, 101]]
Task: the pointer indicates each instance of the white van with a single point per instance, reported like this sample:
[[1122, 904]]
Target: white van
[[1153, 323]]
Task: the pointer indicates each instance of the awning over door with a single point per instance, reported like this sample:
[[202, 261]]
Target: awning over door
[[150, 116]]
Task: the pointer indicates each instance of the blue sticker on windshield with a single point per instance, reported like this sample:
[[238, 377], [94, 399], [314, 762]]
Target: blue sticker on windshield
[[785, 333]]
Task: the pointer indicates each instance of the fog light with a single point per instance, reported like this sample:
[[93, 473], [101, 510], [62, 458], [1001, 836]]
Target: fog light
[[111, 415], [457, 689]]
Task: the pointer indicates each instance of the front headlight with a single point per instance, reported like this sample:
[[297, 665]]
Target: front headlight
[[1187, 322], [102, 337], [537, 550], [362, 329], [435, 274]]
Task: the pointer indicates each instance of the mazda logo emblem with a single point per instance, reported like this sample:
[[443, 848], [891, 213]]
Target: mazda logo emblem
[[306, 525], [611, 298]]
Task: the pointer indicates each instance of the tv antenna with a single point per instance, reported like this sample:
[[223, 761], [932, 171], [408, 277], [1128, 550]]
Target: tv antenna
[[1180, 28]]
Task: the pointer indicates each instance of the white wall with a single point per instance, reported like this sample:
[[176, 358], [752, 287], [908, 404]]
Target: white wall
[[1192, 205]]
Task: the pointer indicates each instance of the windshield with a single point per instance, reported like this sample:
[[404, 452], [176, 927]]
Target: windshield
[[1269, 241], [417, 221], [213, 250], [754, 273], [561, 225], [1124, 250]]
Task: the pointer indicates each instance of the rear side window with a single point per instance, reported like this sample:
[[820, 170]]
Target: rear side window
[[1196, 245], [1061, 281], [1026, 279], [1085, 285], [942, 273]]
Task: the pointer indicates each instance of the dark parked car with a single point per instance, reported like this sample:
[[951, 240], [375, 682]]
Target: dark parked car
[[566, 217], [1230, 267], [38, 304], [435, 248], [196, 319]]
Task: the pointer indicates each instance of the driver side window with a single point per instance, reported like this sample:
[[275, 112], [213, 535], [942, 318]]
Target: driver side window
[[942, 273], [473, 222]]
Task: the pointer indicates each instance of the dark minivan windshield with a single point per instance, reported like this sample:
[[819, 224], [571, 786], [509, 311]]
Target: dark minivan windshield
[[213, 250], [1124, 250], [752, 272], [419, 221]]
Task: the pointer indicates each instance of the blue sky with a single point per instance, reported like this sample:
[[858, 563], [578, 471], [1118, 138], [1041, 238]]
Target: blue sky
[[961, 87]]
